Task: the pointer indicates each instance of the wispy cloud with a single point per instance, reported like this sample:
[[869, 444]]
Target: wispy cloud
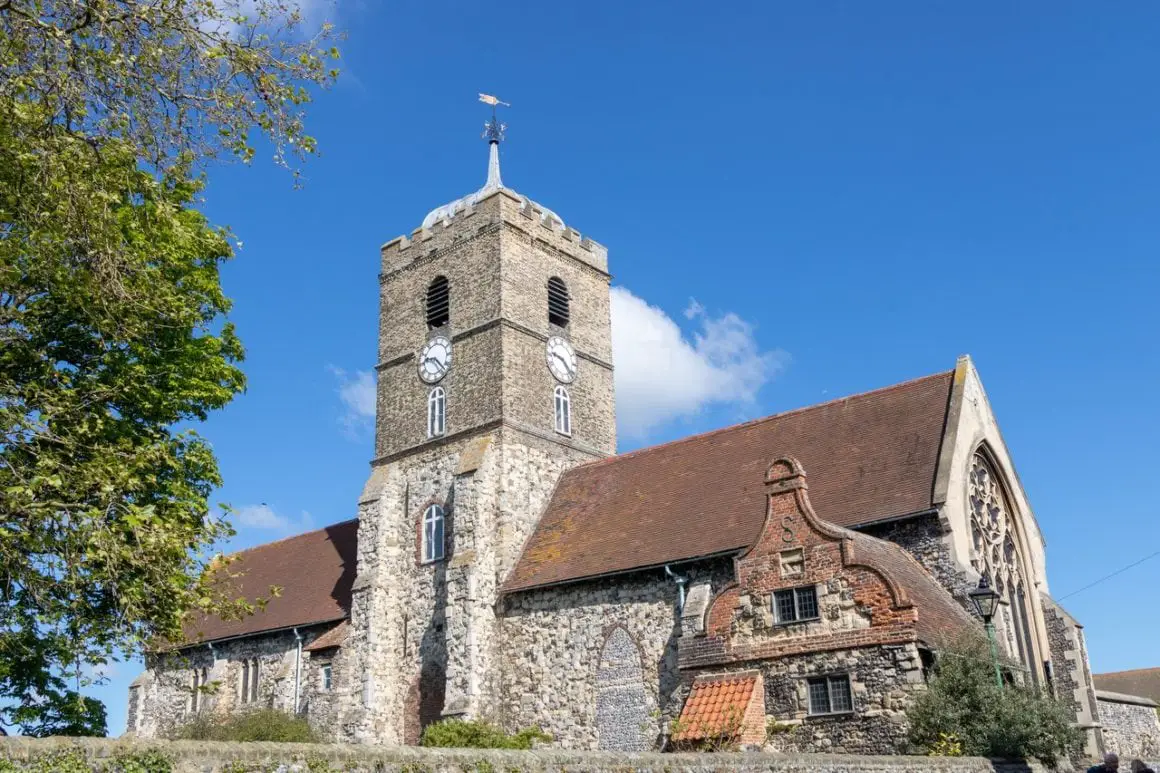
[[663, 374], [356, 392], [263, 516]]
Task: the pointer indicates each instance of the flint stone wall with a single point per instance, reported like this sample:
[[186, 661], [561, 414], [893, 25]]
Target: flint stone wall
[[213, 757], [1131, 727]]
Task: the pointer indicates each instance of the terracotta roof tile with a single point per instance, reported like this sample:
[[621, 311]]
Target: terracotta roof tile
[[715, 706], [335, 637], [315, 571], [870, 456], [1143, 682]]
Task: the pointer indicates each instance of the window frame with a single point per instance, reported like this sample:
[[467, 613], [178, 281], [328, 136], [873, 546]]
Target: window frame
[[437, 319], [797, 592], [200, 679], [434, 515], [562, 410], [559, 303], [829, 680], [326, 677], [436, 412]]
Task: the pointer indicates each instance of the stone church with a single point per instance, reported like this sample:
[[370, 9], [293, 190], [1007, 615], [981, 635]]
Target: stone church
[[800, 571]]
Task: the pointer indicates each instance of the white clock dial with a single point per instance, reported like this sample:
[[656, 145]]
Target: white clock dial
[[561, 359], [435, 359]]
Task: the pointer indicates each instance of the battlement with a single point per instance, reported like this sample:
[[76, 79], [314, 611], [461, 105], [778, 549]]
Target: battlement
[[474, 217]]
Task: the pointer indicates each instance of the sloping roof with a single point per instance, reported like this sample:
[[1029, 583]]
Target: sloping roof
[[1142, 682], [315, 571], [871, 456], [335, 637], [941, 619], [716, 706]]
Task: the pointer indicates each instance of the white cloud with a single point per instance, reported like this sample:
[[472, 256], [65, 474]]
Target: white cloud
[[265, 517], [357, 392], [662, 374]]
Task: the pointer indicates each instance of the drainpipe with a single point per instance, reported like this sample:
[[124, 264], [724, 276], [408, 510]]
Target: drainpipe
[[680, 581], [297, 668]]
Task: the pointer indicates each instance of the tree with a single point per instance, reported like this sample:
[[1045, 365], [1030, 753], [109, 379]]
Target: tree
[[964, 707], [113, 336]]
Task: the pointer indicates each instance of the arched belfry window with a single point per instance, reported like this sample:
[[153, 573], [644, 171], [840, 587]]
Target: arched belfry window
[[433, 520], [563, 405], [436, 412], [557, 302], [438, 303], [995, 554]]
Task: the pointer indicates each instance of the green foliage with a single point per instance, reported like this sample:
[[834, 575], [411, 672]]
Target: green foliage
[[74, 761], [965, 709], [479, 735], [112, 320], [258, 725]]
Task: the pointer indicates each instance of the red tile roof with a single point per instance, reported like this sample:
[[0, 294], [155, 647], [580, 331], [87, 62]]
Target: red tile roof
[[716, 707], [1143, 682], [335, 637], [315, 571], [871, 456]]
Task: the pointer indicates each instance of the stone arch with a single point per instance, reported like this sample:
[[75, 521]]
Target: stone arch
[[621, 698], [998, 551]]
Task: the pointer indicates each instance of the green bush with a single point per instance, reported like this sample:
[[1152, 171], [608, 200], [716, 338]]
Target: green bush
[[74, 761], [479, 735], [963, 702], [258, 725]]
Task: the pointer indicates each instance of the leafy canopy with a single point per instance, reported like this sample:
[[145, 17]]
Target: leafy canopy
[[965, 710], [113, 336]]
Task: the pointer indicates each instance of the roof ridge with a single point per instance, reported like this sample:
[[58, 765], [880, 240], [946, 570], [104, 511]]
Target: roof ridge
[[762, 419], [1128, 671], [289, 537]]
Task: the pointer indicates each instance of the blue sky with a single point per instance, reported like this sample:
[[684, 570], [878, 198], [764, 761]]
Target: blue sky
[[801, 200]]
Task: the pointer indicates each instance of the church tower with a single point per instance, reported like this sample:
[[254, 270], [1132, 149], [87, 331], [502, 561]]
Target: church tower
[[494, 377]]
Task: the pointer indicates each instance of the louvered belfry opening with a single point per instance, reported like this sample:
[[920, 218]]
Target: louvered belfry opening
[[557, 302], [438, 303]]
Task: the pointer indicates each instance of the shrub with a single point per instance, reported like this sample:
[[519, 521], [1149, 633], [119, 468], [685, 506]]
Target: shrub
[[74, 761], [965, 704], [479, 735], [258, 725]]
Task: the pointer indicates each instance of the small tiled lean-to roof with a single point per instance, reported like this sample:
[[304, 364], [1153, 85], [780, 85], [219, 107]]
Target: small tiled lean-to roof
[[941, 619], [1142, 682], [314, 570], [870, 457], [716, 706], [335, 637]]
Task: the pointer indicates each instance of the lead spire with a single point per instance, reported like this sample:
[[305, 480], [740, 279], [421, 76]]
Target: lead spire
[[493, 132]]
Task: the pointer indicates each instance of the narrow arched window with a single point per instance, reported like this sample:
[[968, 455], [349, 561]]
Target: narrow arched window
[[433, 533], [436, 412], [563, 411], [557, 302], [438, 303]]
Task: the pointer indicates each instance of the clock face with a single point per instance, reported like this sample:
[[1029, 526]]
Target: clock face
[[435, 359], [561, 359]]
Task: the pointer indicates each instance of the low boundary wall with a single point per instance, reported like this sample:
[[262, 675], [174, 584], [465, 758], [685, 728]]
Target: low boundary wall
[[216, 757]]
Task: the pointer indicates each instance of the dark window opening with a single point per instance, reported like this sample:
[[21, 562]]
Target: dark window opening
[[795, 604], [438, 303], [557, 302], [830, 695]]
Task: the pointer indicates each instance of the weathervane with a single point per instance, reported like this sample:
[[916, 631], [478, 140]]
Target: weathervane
[[493, 130]]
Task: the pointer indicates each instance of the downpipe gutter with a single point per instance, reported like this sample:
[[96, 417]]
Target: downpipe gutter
[[680, 581], [297, 668]]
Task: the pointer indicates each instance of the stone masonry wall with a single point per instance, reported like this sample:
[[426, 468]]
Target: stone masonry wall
[[564, 645], [163, 695], [927, 538], [1131, 730], [210, 757], [1070, 674]]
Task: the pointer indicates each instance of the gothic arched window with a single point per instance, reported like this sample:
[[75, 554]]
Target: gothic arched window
[[436, 412], [433, 519], [557, 302], [563, 404], [995, 555], [438, 303]]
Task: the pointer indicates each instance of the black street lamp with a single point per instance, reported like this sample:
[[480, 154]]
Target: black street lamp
[[986, 601]]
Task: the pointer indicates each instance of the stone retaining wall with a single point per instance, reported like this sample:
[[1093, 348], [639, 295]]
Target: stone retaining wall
[[210, 757], [1131, 726]]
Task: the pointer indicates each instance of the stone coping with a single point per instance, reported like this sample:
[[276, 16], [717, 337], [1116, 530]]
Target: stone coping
[[214, 757], [1120, 697]]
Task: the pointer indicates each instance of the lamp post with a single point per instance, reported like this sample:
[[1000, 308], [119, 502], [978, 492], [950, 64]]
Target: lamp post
[[986, 601]]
